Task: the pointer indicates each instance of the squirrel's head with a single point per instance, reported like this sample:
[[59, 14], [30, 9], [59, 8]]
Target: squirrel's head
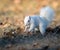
[[27, 20]]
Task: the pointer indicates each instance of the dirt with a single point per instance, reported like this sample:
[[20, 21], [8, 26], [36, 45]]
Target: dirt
[[32, 42]]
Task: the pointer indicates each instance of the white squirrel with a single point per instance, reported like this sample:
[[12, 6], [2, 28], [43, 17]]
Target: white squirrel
[[39, 21]]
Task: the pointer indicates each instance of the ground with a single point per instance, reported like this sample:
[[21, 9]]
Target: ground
[[31, 41]]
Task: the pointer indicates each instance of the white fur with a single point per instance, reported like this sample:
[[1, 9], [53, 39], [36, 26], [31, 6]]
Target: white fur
[[42, 21], [47, 13], [34, 22]]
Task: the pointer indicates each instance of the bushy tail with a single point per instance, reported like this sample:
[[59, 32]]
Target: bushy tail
[[47, 13]]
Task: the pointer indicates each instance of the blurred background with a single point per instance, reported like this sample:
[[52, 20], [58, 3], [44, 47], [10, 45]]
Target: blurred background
[[12, 12]]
